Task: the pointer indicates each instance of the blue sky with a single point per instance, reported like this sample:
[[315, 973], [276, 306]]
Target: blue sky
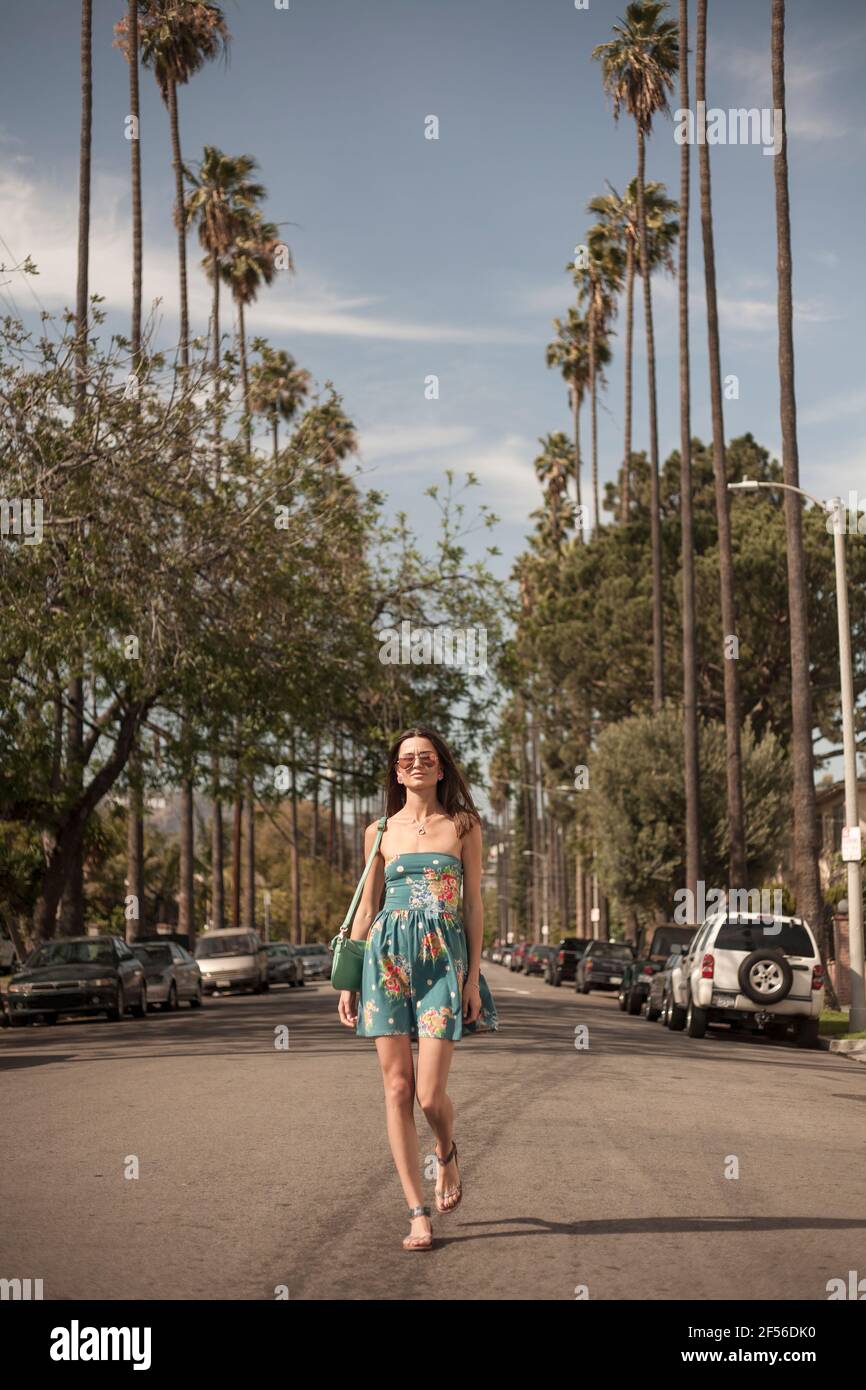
[[416, 256]]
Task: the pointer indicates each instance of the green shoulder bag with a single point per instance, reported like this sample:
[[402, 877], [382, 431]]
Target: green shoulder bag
[[348, 961]]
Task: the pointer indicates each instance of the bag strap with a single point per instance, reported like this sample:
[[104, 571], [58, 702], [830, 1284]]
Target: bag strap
[[373, 852]]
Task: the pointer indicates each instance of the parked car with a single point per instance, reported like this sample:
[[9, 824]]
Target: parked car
[[506, 956], [602, 965], [567, 953], [518, 955], [496, 954], [660, 986], [285, 966], [316, 960], [172, 975], [230, 959], [760, 973], [639, 974], [536, 959], [83, 975]]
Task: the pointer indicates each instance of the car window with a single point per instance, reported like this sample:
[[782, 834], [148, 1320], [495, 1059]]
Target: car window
[[740, 934], [153, 954], [236, 944]]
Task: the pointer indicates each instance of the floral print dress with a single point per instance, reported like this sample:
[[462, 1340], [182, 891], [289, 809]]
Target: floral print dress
[[416, 956]]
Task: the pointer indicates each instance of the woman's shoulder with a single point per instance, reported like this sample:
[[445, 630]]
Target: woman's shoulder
[[465, 822]]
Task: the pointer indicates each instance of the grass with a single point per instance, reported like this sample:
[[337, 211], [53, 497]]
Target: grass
[[834, 1024]]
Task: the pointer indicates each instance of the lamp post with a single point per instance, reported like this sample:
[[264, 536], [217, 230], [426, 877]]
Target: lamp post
[[835, 508]]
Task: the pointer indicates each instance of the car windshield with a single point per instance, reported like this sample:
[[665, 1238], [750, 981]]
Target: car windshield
[[616, 949], [222, 946], [740, 934], [665, 941], [72, 953], [153, 955]]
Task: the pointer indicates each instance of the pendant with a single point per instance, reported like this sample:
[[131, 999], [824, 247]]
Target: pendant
[[421, 830]]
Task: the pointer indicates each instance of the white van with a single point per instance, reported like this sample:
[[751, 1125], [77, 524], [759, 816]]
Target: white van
[[230, 959], [754, 971]]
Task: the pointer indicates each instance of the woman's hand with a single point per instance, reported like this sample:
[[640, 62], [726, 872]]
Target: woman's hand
[[471, 1001], [348, 1007]]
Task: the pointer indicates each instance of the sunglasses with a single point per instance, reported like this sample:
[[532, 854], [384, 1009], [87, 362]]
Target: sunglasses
[[407, 762]]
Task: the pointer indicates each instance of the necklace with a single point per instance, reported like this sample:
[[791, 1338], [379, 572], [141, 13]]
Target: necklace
[[422, 829]]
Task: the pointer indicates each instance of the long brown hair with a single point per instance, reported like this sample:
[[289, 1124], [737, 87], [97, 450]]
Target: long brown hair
[[453, 791]]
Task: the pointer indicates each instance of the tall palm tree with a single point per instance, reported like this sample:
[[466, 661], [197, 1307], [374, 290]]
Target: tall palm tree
[[128, 42], [619, 215], [278, 387], [638, 65], [249, 264], [736, 812], [570, 352], [808, 883], [598, 283], [554, 466], [690, 678], [72, 902], [176, 38]]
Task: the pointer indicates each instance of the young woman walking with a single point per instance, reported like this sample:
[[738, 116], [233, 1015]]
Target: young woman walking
[[422, 963]]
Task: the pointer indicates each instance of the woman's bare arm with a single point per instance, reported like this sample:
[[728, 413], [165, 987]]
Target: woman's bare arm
[[371, 894], [473, 911]]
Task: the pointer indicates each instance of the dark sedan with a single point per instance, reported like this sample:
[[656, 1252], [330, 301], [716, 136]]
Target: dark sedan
[[566, 955], [602, 966], [78, 975]]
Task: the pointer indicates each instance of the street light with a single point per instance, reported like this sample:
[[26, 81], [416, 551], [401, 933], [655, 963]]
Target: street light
[[835, 507]]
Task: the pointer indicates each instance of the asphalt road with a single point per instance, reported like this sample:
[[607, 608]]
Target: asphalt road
[[261, 1167]]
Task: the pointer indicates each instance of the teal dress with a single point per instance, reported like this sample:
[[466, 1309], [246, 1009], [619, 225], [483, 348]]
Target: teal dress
[[416, 957]]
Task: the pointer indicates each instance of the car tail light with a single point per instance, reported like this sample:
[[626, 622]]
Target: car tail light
[[708, 967], [589, 965], [648, 970], [561, 956], [818, 977]]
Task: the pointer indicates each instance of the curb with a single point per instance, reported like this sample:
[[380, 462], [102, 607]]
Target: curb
[[854, 1047]]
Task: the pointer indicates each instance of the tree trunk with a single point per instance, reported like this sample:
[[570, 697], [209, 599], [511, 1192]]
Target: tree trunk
[[625, 499], [593, 407], [135, 848], [690, 690], [72, 914], [186, 895], [736, 815], [245, 380], [314, 847], [250, 856], [655, 515], [218, 898], [180, 222], [236, 857], [810, 899], [575, 412], [296, 856]]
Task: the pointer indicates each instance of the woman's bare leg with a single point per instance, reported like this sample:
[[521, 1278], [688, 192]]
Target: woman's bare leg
[[434, 1064], [398, 1079]]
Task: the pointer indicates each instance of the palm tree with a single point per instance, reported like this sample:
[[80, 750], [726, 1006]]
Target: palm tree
[[570, 352], [619, 216], [690, 692], [736, 813], [554, 466], [72, 902], [598, 283], [808, 883], [222, 193], [177, 37], [128, 41], [278, 386], [637, 71], [249, 264]]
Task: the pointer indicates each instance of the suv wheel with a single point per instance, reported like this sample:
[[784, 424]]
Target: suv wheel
[[652, 1013], [695, 1020], [765, 976], [675, 1017], [633, 1002]]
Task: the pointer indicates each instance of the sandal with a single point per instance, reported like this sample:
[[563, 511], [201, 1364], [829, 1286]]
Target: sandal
[[448, 1192], [418, 1242]]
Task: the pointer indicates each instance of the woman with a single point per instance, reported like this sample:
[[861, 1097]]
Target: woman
[[422, 970]]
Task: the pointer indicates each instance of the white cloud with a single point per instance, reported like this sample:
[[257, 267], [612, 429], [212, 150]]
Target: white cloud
[[41, 221], [835, 408]]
